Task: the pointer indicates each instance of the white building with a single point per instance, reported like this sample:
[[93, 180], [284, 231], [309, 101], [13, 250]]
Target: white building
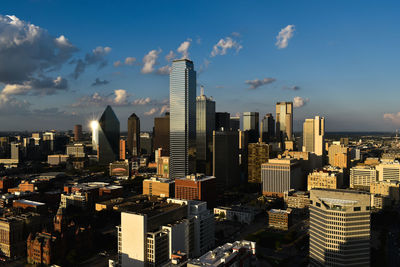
[[240, 214]]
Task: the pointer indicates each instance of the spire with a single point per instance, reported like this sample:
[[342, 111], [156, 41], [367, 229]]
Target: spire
[[201, 90]]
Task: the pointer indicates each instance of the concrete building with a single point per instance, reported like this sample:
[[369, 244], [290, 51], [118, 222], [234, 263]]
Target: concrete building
[[234, 123], [161, 134], [284, 121], [280, 175], [226, 158], [362, 176], [258, 153], [78, 133], [57, 159], [163, 166], [205, 125], [122, 149], [77, 150], [133, 140], [146, 143], [388, 171], [159, 187], [339, 228], [121, 169], [238, 253], [237, 213], [182, 118], [297, 199], [339, 156], [12, 243], [280, 219], [390, 189], [313, 135], [328, 177], [197, 187]]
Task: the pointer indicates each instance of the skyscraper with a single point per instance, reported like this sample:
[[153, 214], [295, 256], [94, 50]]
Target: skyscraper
[[222, 120], [133, 140], [251, 124], [107, 132], [77, 132], [284, 121], [234, 123], [313, 135], [205, 125], [161, 134], [339, 228], [226, 158], [183, 118], [267, 127]]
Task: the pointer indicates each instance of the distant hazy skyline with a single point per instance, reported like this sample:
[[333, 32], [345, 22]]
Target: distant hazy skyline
[[63, 62]]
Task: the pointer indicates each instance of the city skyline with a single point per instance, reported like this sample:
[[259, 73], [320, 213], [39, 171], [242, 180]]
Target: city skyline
[[334, 68]]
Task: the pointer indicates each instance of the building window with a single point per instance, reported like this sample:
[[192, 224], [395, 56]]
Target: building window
[[357, 208], [318, 204]]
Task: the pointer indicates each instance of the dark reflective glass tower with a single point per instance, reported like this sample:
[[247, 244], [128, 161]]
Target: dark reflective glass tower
[[205, 124], [133, 135], [182, 118], [108, 137]]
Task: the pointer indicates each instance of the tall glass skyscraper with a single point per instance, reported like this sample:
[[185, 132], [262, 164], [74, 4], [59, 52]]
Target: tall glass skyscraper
[[205, 125], [133, 135], [251, 124], [182, 118], [284, 121]]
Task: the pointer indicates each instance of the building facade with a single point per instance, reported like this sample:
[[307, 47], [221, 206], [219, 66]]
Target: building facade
[[284, 120], [161, 134], [197, 187], [251, 124], [183, 118], [133, 140], [313, 135], [258, 153]]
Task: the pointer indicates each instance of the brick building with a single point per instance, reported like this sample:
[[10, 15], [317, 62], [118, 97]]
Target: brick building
[[159, 187], [197, 187], [280, 219]]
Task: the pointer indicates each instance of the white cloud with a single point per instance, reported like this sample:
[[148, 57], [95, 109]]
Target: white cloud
[[150, 60], [165, 70], [151, 112], [16, 89], [292, 88], [117, 63], [130, 60], [224, 45], [282, 40], [299, 102], [392, 117], [170, 56], [45, 86], [121, 97], [164, 109], [96, 57], [118, 98], [184, 48], [257, 82]]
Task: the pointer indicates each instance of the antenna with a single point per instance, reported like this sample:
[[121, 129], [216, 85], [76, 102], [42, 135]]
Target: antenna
[[201, 90]]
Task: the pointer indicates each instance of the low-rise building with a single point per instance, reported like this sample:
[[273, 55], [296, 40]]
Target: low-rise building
[[280, 219], [390, 189], [238, 253], [197, 187], [57, 159], [297, 199], [161, 187], [329, 177], [362, 176], [120, 169], [240, 214]]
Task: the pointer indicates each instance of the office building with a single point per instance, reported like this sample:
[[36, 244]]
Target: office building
[[280, 219], [121, 169], [251, 124], [328, 177], [258, 153], [159, 187], [78, 133], [339, 228], [77, 150], [105, 137], [162, 164], [267, 128], [238, 253], [122, 149], [362, 176], [284, 121], [222, 120], [388, 171], [12, 242], [182, 118], [234, 123], [236, 213], [197, 187], [226, 158], [296, 199], [313, 135], [280, 175], [161, 134], [146, 143], [339, 156], [389, 189], [243, 154], [205, 125], [133, 140]]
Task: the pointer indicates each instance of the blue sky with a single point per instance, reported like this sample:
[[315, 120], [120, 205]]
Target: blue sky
[[342, 57]]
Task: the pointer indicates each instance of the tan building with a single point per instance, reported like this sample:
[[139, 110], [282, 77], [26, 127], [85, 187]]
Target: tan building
[[388, 171], [331, 178], [362, 176], [280, 175], [12, 243], [339, 228], [284, 120], [339, 156], [159, 187], [163, 167], [258, 153], [389, 189], [280, 219], [313, 135], [297, 199]]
